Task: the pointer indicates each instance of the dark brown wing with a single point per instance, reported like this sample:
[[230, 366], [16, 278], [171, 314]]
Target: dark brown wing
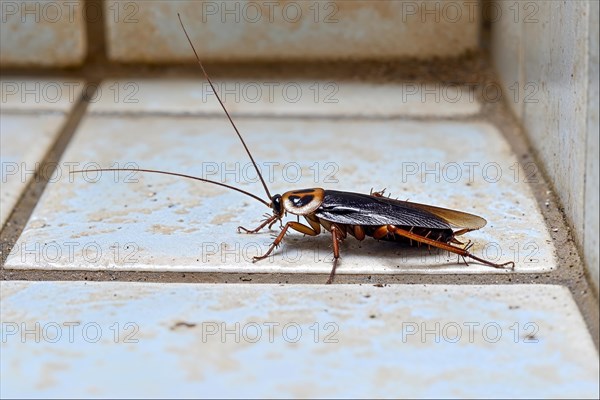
[[362, 209]]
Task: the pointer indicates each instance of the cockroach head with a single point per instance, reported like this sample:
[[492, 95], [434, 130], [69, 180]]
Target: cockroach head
[[276, 205]]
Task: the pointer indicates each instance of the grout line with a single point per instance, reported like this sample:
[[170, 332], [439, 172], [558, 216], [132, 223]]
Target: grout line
[[34, 112], [290, 116], [465, 279], [448, 70], [95, 30]]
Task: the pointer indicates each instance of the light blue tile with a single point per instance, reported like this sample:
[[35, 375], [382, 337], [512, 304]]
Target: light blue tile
[[492, 341], [291, 97], [24, 141], [168, 223]]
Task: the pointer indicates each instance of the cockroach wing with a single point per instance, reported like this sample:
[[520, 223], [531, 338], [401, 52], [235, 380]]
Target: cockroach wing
[[361, 209], [453, 217]]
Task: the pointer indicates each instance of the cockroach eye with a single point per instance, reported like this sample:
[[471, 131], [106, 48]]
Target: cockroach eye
[[276, 204]]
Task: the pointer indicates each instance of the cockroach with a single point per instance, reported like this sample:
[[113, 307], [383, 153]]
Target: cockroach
[[347, 213]]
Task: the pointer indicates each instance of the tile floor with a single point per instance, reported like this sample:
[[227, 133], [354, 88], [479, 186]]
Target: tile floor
[[33, 114], [100, 339], [119, 222]]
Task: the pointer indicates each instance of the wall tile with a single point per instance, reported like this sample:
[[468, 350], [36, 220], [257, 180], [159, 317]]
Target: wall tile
[[43, 33], [144, 31]]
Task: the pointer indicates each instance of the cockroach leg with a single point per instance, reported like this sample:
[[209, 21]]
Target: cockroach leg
[[455, 241], [462, 232], [269, 221], [377, 194], [274, 222], [336, 238], [332, 273], [295, 226], [445, 246], [341, 231], [314, 224]]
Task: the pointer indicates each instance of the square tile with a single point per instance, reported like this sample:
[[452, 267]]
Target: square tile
[[108, 339], [41, 95], [114, 221], [140, 31], [44, 33], [25, 140]]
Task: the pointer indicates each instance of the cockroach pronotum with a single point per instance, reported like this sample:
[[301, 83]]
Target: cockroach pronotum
[[347, 213]]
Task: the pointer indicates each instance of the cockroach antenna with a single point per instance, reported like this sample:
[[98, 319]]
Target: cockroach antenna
[[155, 171], [223, 106]]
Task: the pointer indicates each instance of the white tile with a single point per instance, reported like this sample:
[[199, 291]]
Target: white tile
[[554, 119], [161, 340], [25, 140], [170, 224], [150, 32], [286, 98], [44, 32], [41, 95]]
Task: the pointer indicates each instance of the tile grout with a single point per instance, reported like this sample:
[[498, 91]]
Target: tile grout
[[284, 117]]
